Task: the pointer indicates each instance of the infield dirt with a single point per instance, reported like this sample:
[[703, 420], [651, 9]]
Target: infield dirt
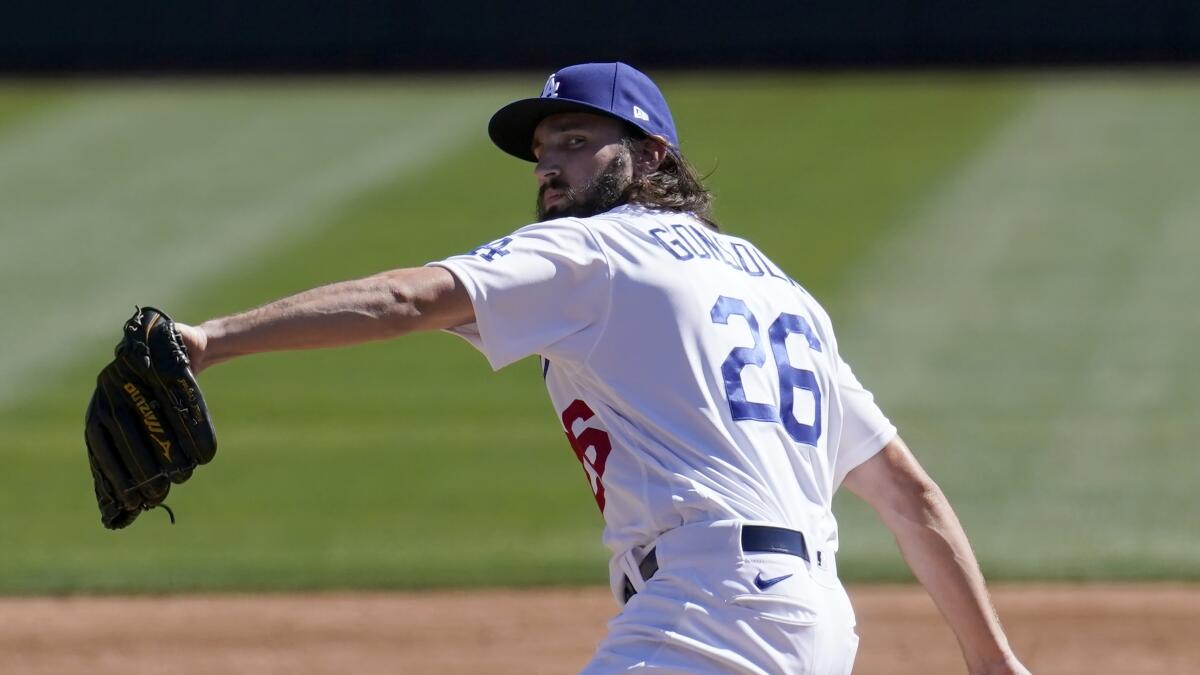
[[1058, 629]]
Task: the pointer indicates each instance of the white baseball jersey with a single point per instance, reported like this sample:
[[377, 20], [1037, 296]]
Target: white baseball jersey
[[693, 378]]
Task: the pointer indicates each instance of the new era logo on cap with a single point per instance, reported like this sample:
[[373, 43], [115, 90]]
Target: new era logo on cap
[[611, 89]]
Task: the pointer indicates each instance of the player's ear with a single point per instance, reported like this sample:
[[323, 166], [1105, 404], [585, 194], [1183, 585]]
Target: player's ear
[[648, 154]]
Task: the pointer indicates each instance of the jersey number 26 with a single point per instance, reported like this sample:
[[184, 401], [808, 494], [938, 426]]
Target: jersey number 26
[[791, 378]]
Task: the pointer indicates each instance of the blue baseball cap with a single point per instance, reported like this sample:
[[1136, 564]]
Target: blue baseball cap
[[611, 89]]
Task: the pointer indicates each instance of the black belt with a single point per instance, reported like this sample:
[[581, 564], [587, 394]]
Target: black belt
[[755, 539]]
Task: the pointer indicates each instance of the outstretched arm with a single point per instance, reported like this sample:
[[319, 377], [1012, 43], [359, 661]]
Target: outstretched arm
[[378, 307], [935, 547]]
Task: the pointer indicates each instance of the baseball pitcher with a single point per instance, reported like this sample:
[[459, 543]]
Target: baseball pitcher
[[700, 387]]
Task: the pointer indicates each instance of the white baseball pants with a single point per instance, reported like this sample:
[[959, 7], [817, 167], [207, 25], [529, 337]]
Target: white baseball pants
[[703, 612]]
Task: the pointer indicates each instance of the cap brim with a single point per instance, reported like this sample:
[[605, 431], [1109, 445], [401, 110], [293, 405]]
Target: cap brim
[[511, 128]]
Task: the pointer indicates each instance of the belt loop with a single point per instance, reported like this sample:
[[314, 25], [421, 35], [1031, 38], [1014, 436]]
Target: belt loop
[[628, 563]]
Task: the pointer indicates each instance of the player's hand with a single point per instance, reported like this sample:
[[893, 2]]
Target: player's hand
[[1009, 666], [196, 341]]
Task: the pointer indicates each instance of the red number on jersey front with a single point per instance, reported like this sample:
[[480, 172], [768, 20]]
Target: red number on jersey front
[[591, 445]]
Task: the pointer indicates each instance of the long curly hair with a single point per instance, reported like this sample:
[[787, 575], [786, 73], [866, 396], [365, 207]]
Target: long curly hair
[[674, 186]]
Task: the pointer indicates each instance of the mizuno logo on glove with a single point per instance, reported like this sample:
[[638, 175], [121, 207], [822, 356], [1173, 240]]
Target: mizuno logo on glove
[[149, 419]]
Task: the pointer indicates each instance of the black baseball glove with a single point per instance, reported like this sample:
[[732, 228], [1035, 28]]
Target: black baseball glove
[[147, 425]]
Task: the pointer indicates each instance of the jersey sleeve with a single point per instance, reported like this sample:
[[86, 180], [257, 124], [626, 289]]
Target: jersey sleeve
[[865, 429], [542, 290]]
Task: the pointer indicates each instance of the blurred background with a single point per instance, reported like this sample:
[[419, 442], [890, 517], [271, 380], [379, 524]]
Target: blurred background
[[998, 203]]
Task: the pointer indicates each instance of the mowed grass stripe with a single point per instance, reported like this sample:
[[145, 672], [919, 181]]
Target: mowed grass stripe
[[1027, 333], [144, 193], [1136, 408]]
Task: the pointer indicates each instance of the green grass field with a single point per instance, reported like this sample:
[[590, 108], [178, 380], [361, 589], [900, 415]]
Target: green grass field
[[1009, 260]]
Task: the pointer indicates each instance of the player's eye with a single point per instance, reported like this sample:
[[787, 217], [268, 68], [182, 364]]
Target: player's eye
[[575, 141]]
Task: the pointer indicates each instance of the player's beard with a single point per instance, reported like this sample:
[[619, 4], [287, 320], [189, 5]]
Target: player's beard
[[601, 193]]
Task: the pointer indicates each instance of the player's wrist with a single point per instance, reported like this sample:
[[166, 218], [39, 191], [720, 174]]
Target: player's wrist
[[1006, 664], [197, 340]]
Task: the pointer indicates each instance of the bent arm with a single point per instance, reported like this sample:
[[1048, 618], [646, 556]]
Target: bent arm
[[378, 307], [934, 545]]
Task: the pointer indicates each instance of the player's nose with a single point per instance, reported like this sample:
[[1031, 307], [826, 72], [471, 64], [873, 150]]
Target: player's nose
[[545, 170]]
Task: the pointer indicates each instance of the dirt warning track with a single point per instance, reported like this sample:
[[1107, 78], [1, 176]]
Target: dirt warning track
[[1057, 629]]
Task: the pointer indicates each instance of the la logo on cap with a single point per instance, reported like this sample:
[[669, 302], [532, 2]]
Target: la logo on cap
[[640, 114], [551, 88]]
